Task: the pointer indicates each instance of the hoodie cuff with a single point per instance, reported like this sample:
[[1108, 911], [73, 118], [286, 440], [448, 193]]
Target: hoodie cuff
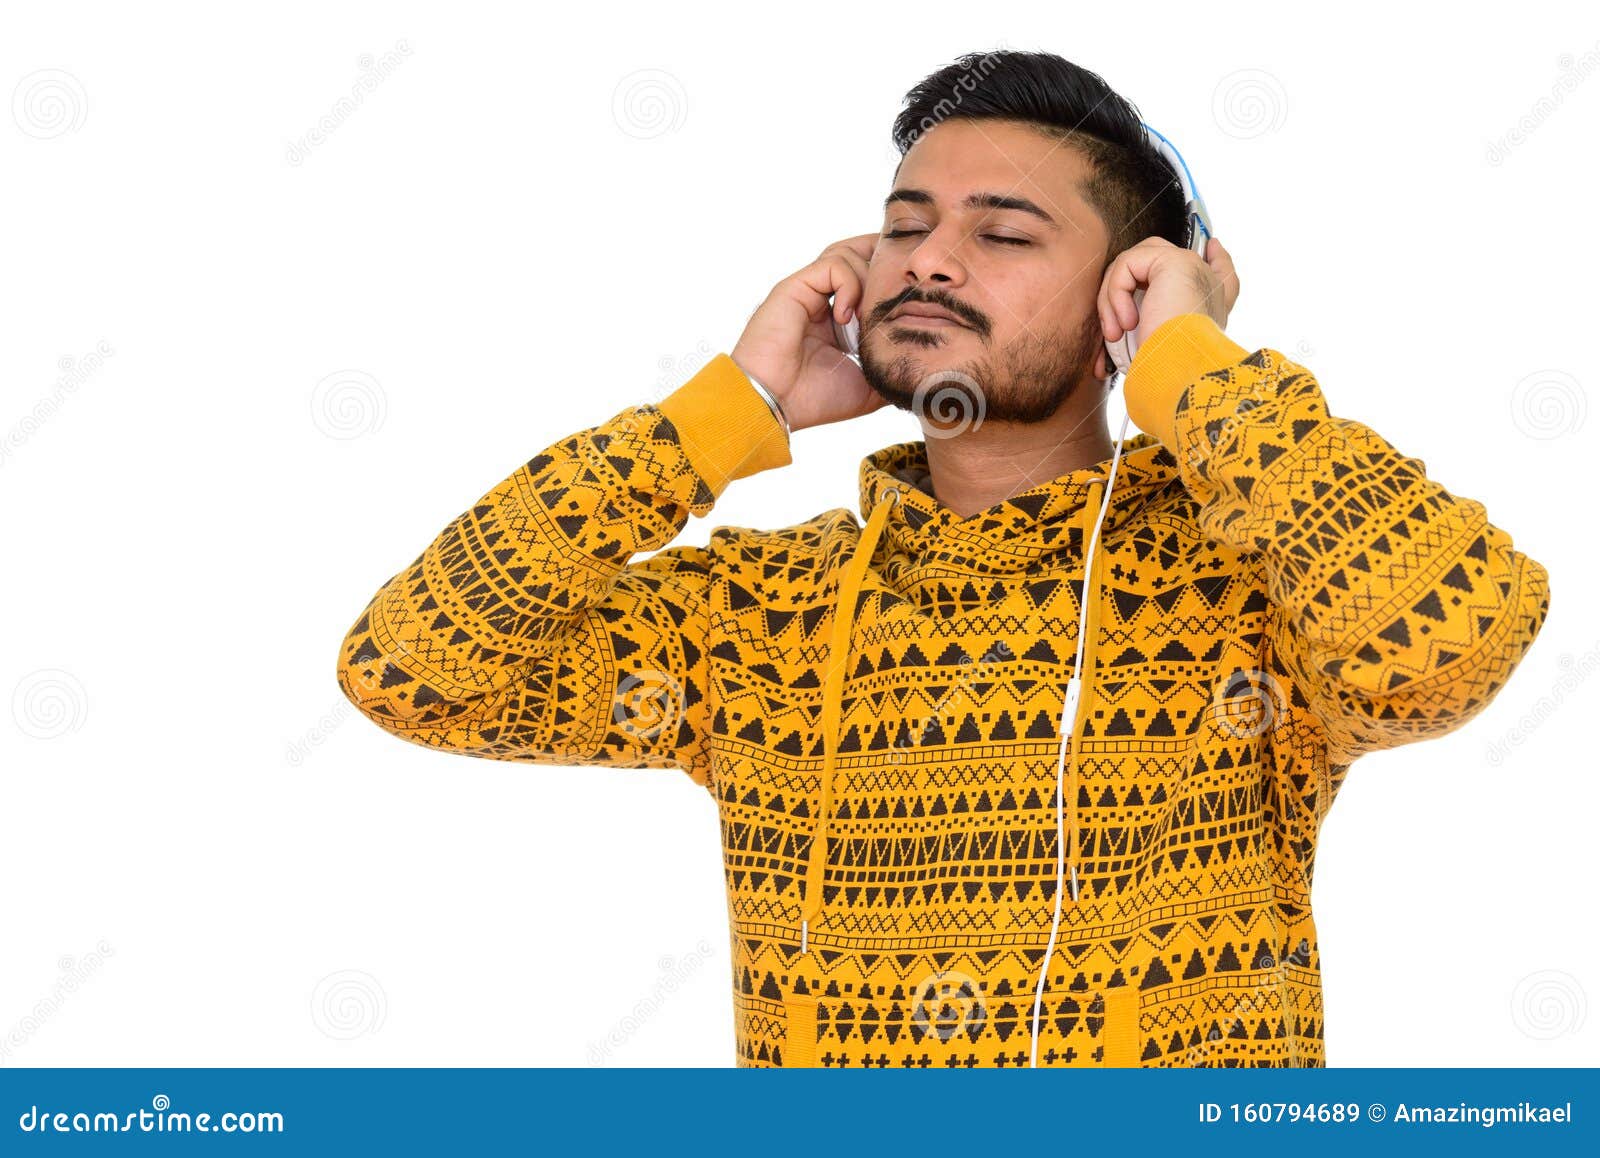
[[1167, 362], [726, 429]]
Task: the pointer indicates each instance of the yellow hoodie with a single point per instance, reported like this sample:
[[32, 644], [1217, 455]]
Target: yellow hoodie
[[883, 714]]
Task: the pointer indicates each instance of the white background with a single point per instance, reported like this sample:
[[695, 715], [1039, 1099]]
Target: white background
[[540, 217]]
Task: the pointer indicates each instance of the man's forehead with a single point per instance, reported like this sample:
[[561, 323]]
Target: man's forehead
[[959, 157]]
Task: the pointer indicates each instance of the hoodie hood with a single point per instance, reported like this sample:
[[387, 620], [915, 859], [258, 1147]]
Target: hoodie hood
[[1041, 527]]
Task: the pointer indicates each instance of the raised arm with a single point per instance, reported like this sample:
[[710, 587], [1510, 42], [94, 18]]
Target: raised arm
[[523, 631], [1397, 609]]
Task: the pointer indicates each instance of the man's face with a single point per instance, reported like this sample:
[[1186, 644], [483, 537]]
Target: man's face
[[1022, 286]]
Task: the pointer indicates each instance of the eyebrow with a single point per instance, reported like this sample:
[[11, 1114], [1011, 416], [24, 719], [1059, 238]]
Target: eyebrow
[[974, 201]]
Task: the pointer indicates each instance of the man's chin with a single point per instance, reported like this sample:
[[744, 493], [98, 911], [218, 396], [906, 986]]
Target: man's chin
[[950, 393], [897, 383]]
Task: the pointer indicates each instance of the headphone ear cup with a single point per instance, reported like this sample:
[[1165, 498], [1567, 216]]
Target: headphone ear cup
[[848, 336], [1122, 350]]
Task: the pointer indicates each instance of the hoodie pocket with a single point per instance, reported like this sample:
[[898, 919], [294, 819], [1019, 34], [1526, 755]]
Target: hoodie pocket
[[1121, 1037], [800, 1032]]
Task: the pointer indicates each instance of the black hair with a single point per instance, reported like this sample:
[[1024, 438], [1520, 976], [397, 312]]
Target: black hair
[[1133, 189]]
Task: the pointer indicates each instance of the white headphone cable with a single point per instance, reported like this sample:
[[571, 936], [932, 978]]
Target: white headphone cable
[[1069, 713]]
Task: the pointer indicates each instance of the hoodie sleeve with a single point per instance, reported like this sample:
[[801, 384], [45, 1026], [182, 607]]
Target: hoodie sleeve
[[1396, 608], [524, 632]]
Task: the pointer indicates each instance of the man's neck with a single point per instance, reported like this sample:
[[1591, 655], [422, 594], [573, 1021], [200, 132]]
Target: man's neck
[[978, 468]]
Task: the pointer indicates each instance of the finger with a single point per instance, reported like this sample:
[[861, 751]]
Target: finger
[[1114, 320], [824, 278], [1110, 328], [1221, 262], [858, 252], [1128, 272], [848, 302], [863, 245]]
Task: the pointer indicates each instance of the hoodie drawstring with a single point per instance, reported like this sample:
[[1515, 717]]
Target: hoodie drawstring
[[844, 613], [1067, 791], [1088, 624]]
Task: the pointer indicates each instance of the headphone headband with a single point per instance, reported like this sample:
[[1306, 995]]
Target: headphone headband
[[1194, 204]]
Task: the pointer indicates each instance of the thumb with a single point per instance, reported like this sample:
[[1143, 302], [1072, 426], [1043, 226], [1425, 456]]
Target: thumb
[[1221, 263]]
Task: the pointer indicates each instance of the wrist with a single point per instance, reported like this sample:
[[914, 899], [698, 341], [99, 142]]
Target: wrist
[[1176, 354], [726, 429], [773, 402]]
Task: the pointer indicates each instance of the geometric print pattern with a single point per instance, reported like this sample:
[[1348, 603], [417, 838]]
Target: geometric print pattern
[[1276, 594]]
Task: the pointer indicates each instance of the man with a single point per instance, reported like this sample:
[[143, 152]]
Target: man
[[969, 816]]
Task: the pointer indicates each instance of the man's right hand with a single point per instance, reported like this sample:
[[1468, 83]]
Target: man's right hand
[[788, 343]]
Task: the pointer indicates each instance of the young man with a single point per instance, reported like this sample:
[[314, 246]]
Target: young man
[[971, 817]]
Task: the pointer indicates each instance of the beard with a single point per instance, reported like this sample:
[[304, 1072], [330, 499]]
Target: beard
[[1026, 381]]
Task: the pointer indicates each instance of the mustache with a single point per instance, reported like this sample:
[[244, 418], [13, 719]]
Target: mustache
[[973, 319]]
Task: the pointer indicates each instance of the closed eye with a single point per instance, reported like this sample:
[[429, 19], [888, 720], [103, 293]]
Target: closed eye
[[894, 233]]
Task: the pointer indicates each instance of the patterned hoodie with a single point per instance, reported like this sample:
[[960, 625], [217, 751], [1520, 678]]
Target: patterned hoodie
[[968, 816]]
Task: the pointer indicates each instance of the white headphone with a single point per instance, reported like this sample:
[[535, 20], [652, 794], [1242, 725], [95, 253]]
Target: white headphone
[[1122, 355], [1122, 350]]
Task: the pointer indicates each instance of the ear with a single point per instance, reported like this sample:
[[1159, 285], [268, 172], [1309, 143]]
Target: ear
[[1101, 369]]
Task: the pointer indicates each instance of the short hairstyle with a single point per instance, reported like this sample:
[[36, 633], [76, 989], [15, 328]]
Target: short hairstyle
[[1132, 188]]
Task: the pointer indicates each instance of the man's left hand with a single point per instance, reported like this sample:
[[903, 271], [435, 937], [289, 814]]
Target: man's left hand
[[1175, 280]]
